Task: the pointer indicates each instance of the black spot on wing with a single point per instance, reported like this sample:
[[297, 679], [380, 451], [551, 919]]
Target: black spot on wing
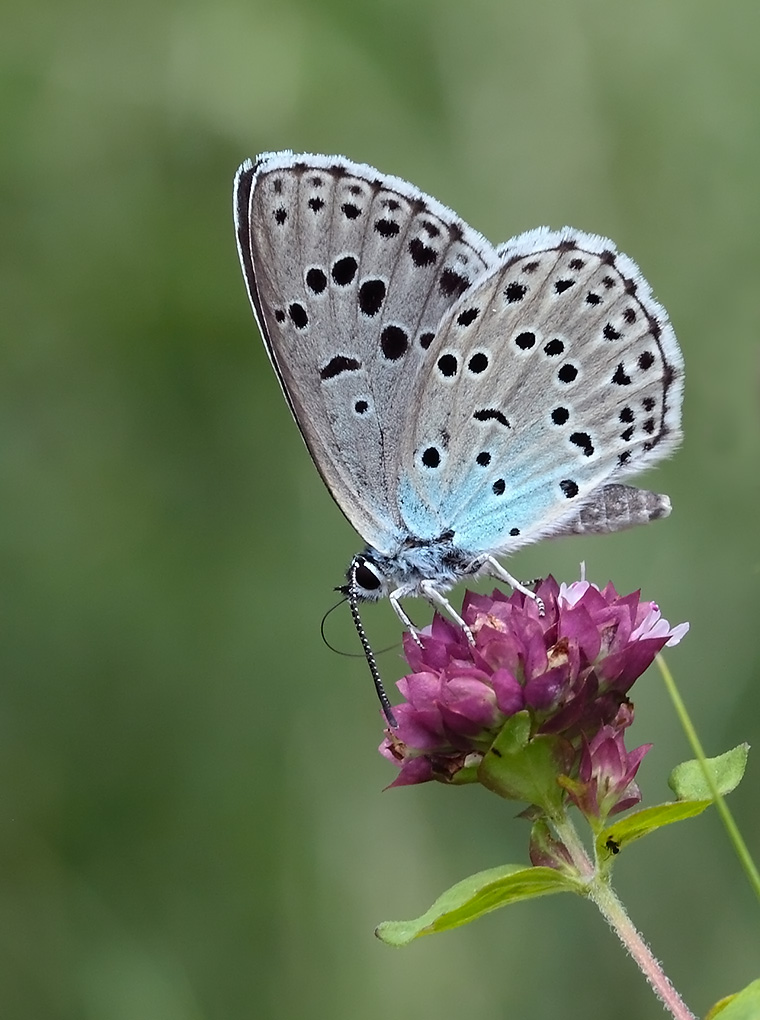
[[394, 342], [448, 365], [316, 280], [492, 414], [646, 360], [431, 458], [338, 365], [478, 363], [387, 228], [298, 315], [344, 270], [569, 487], [568, 373], [371, 297], [560, 415], [452, 284], [422, 254], [514, 292], [582, 440], [468, 316]]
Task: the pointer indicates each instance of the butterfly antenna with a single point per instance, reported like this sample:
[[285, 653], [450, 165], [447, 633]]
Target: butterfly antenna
[[324, 636], [369, 655], [339, 651]]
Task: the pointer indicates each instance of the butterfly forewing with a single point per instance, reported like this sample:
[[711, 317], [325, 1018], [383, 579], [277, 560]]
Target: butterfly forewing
[[350, 273], [557, 372]]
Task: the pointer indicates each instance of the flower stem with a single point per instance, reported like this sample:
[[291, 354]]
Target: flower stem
[[569, 836], [600, 892], [723, 809]]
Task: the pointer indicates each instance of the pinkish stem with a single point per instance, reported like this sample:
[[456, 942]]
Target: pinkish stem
[[600, 892], [617, 918]]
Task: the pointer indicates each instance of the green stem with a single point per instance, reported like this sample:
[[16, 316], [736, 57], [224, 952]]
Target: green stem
[[727, 818], [600, 892]]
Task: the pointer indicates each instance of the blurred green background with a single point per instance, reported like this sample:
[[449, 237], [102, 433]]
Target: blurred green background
[[192, 822]]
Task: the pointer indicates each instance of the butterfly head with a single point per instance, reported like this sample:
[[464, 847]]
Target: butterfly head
[[367, 580]]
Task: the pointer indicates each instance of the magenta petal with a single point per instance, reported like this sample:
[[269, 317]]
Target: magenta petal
[[421, 729], [472, 604], [593, 602], [470, 700], [498, 651], [631, 799], [420, 689], [459, 669], [413, 654], [466, 684], [610, 592], [624, 667], [578, 625], [510, 696], [460, 729], [548, 591], [543, 691], [413, 770], [635, 758], [607, 753], [433, 654]]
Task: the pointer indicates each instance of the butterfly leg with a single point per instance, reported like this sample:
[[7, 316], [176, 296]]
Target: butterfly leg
[[393, 598], [432, 594], [495, 569]]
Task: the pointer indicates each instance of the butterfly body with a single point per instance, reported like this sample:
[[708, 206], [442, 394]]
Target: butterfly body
[[459, 400]]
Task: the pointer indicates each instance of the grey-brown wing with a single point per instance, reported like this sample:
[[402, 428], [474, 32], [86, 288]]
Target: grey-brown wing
[[350, 272]]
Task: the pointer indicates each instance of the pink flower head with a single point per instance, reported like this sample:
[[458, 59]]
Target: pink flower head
[[570, 670], [605, 783]]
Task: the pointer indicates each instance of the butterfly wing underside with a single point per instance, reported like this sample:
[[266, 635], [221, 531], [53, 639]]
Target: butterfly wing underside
[[349, 273], [556, 375]]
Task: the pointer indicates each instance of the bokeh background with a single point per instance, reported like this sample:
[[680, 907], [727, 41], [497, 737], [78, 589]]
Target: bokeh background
[[192, 822]]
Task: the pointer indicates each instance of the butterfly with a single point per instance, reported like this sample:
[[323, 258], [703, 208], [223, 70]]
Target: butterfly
[[459, 400]]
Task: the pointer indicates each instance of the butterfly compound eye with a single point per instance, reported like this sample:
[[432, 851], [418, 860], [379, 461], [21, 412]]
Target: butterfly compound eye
[[366, 575]]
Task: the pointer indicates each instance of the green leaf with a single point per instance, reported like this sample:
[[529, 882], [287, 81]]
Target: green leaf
[[520, 767], [477, 895], [641, 823], [687, 780], [745, 1005]]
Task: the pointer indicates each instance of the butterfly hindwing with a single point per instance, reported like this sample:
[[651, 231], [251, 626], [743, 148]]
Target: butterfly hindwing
[[556, 373], [350, 273]]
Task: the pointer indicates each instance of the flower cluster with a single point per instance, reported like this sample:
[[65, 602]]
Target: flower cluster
[[570, 670]]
